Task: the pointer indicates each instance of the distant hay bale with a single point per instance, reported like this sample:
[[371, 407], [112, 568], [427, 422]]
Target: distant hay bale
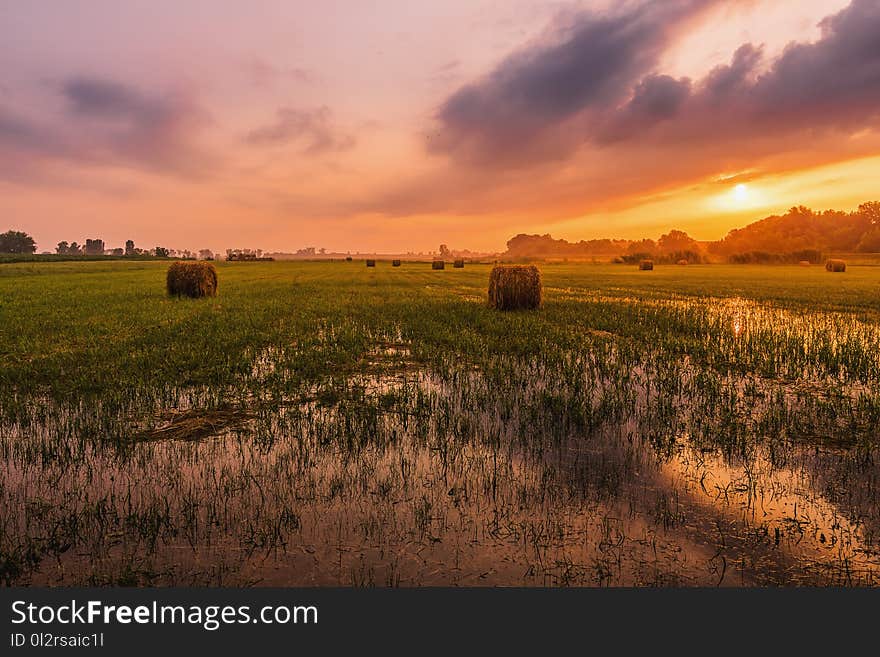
[[646, 265], [804, 263], [458, 264], [438, 264], [682, 262], [191, 279], [515, 287], [371, 263], [395, 263], [348, 258], [835, 265]]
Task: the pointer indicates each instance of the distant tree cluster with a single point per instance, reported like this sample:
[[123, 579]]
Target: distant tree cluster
[[674, 246], [96, 247], [544, 246], [799, 235], [802, 229], [256, 254], [15, 241]]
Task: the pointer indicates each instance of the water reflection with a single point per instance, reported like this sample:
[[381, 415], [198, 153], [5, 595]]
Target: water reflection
[[596, 470], [738, 326]]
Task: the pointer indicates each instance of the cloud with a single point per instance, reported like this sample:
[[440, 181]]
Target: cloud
[[832, 84], [152, 131], [261, 73], [312, 130], [590, 64], [108, 123], [724, 81], [597, 85], [656, 98], [17, 133], [834, 81], [580, 124]]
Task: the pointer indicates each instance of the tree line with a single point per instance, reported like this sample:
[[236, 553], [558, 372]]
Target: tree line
[[801, 234], [20, 243]]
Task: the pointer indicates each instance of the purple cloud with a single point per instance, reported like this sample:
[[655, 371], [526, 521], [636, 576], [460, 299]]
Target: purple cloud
[[108, 123], [590, 66], [313, 130], [598, 87]]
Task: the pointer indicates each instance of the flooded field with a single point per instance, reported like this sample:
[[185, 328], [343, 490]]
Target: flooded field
[[325, 424]]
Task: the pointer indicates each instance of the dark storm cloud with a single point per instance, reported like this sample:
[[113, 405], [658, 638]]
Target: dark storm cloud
[[313, 130]]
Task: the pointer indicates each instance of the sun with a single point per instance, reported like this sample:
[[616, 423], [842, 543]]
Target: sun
[[738, 197]]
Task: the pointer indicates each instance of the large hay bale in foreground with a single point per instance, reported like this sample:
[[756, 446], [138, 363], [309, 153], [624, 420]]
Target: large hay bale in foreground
[[646, 265], [835, 265], [191, 279], [395, 263], [458, 264], [515, 287], [438, 264], [371, 263]]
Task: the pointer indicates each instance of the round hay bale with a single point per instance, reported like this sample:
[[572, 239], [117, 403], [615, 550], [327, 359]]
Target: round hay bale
[[804, 263], [515, 287], [348, 258], [458, 264], [371, 263], [191, 279], [395, 263], [438, 264], [646, 265], [682, 262], [836, 266]]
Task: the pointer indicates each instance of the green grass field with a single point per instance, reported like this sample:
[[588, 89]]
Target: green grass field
[[326, 423]]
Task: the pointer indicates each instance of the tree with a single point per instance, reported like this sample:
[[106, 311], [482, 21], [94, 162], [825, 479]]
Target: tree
[[74, 249], [206, 254], [63, 248], [870, 242], [161, 252], [677, 240], [642, 247], [15, 241], [871, 211], [444, 250], [129, 247]]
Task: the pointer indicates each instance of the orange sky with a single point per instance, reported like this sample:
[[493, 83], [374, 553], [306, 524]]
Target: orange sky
[[403, 124]]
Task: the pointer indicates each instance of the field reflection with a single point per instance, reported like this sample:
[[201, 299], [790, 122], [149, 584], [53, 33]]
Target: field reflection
[[717, 457]]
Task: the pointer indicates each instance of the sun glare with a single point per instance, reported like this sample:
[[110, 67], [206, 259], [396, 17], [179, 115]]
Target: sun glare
[[739, 197]]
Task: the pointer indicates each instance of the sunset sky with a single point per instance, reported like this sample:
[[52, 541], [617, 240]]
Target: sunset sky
[[399, 124]]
